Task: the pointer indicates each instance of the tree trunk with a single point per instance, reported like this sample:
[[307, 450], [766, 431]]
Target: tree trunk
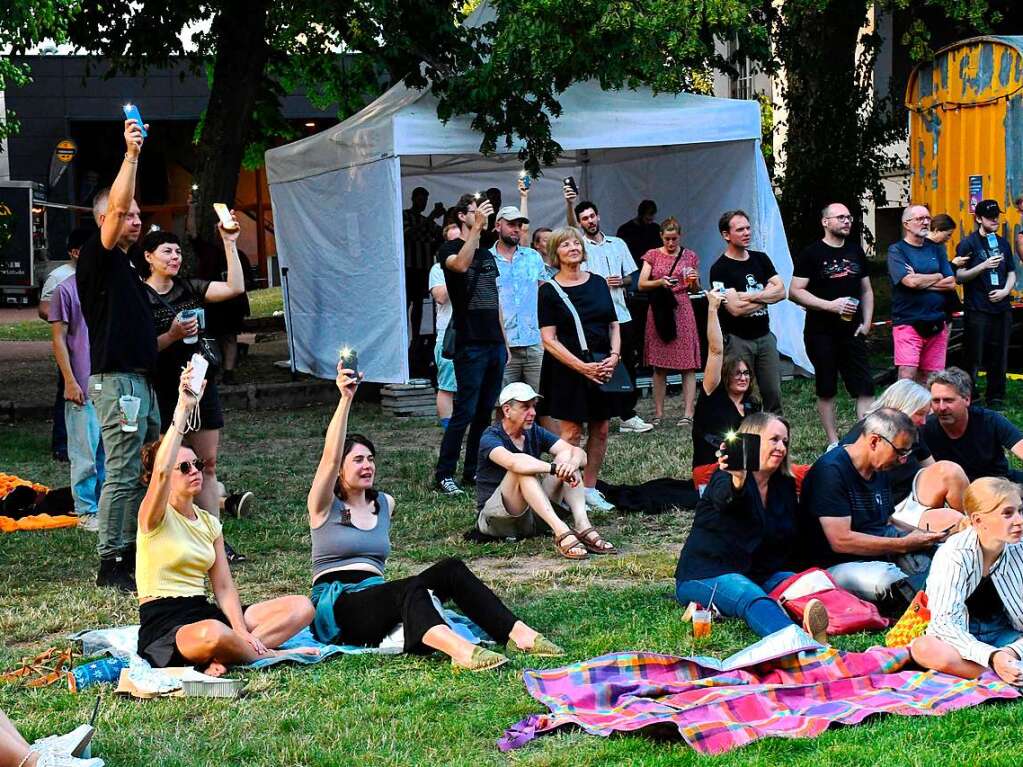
[[242, 53], [824, 138]]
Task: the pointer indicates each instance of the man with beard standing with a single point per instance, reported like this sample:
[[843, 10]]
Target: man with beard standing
[[922, 279], [521, 271], [123, 352], [830, 281]]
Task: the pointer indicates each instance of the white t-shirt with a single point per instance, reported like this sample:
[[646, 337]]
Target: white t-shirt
[[611, 258], [443, 310], [56, 277]]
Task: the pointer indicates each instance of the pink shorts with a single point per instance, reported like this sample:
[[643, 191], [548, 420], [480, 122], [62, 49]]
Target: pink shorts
[[914, 351]]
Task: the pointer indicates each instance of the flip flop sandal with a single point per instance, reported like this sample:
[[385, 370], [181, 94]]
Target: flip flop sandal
[[565, 550], [591, 539], [45, 669], [686, 422]]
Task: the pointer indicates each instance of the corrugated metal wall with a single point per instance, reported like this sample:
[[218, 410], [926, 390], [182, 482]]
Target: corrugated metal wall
[[966, 129]]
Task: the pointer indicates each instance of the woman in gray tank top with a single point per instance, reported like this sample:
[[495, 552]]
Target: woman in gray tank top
[[350, 525]]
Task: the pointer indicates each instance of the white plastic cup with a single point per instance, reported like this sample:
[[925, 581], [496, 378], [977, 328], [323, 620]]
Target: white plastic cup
[[850, 315], [129, 407], [188, 315]]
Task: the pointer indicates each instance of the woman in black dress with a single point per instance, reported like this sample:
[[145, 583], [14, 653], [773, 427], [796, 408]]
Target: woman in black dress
[[170, 295], [569, 382]]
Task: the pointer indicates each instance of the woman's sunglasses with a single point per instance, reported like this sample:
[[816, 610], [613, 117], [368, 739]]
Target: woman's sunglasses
[[185, 467]]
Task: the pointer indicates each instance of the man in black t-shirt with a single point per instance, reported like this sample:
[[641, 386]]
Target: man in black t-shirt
[[830, 281], [845, 507], [974, 437], [481, 351], [122, 343], [641, 233], [988, 278], [751, 284]]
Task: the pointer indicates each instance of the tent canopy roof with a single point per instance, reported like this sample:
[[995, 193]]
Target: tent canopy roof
[[404, 122]]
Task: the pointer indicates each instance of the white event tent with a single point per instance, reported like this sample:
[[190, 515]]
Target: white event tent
[[338, 198]]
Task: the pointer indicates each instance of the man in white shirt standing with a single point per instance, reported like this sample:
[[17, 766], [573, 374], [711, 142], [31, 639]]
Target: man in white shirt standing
[[610, 258]]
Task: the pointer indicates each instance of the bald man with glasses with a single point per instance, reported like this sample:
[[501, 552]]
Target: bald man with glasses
[[830, 280], [922, 281]]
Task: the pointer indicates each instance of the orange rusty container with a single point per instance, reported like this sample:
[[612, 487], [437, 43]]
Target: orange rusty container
[[966, 131]]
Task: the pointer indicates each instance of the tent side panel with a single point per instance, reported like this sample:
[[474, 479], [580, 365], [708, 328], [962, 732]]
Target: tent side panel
[[787, 318], [339, 236]]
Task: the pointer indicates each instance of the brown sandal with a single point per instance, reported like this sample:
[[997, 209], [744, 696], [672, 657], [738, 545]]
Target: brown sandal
[[565, 550], [45, 669], [592, 541]]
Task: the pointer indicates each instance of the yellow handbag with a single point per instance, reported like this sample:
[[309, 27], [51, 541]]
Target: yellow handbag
[[912, 624]]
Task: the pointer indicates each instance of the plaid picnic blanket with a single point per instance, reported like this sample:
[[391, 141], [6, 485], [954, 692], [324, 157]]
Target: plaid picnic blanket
[[797, 696]]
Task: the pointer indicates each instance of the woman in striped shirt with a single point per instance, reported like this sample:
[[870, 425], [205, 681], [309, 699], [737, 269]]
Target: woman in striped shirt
[[975, 589]]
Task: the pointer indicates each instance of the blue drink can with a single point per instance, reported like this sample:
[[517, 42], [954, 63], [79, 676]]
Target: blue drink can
[[102, 671]]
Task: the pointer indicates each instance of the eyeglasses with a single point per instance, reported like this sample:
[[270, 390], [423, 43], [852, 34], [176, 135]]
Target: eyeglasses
[[841, 218], [185, 467], [901, 452], [919, 218], [742, 374]]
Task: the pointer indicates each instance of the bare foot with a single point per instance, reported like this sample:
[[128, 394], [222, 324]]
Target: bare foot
[[216, 669]]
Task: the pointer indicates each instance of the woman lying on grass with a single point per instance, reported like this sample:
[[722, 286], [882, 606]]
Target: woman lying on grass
[[178, 546], [975, 587], [350, 524]]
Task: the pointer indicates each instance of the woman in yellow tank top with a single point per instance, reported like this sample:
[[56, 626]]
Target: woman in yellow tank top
[[179, 545]]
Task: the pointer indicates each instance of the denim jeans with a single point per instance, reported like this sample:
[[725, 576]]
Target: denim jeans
[[736, 596], [85, 450], [479, 369], [122, 492], [997, 632]]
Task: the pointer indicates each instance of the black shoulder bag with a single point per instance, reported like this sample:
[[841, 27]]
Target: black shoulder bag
[[447, 351], [204, 346], [620, 382], [663, 304]]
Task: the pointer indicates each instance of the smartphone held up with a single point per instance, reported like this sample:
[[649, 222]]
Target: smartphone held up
[[742, 451], [131, 112]]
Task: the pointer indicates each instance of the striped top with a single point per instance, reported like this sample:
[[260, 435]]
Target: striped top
[[956, 572]]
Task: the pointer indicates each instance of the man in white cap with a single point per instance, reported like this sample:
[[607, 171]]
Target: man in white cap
[[514, 487], [521, 271]]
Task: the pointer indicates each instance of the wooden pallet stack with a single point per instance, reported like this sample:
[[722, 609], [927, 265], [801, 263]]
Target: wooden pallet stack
[[416, 398]]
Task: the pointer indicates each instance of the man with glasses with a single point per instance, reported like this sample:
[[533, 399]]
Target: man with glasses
[[845, 511], [831, 282], [973, 437], [988, 275], [922, 282]]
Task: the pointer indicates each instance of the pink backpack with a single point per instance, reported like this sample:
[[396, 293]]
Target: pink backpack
[[847, 613]]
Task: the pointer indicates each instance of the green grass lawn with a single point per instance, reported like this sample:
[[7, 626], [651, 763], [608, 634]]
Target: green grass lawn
[[403, 710]]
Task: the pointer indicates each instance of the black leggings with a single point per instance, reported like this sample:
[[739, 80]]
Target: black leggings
[[366, 617]]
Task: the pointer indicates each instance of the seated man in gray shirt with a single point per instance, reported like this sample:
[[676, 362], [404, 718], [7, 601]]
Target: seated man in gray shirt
[[514, 487]]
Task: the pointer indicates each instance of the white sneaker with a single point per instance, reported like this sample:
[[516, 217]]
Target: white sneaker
[[634, 425], [596, 500], [831, 446], [73, 743], [53, 759], [89, 523]]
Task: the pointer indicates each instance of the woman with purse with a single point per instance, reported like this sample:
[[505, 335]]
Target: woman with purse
[[973, 590], [580, 336], [743, 534], [174, 301], [670, 273]]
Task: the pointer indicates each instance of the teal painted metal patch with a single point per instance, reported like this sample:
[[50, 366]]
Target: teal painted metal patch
[[1014, 147]]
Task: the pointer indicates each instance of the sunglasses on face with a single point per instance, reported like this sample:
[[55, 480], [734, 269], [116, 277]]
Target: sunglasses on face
[[185, 467]]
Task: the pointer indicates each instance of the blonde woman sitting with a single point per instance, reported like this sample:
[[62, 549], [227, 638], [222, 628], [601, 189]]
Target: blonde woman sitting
[[974, 590]]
